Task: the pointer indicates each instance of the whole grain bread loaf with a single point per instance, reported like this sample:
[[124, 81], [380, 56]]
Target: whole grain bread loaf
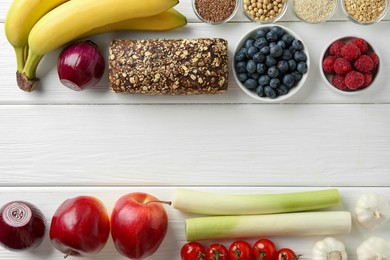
[[169, 66]]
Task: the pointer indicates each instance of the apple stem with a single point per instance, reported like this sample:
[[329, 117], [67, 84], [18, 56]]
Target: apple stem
[[159, 201]]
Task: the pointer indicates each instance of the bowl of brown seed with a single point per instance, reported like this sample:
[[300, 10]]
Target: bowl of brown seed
[[264, 11], [314, 11], [365, 12], [215, 11]]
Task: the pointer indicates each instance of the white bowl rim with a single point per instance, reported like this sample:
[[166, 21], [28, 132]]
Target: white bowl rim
[[295, 89], [356, 92]]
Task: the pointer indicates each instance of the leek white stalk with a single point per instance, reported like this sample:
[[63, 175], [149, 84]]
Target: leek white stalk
[[374, 248], [252, 226], [212, 203], [329, 249], [372, 210]]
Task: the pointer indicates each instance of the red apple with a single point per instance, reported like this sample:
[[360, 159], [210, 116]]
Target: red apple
[[80, 226], [22, 226], [139, 224]]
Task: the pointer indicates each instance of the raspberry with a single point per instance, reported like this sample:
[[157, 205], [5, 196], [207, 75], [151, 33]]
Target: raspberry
[[361, 44], [350, 51], [367, 79], [374, 58], [364, 64], [342, 66], [327, 64], [354, 80], [339, 82], [335, 48]]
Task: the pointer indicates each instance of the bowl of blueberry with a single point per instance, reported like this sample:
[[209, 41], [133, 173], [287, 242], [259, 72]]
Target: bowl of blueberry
[[271, 63], [350, 65]]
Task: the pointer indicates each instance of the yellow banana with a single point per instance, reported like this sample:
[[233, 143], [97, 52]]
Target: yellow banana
[[21, 17], [73, 19]]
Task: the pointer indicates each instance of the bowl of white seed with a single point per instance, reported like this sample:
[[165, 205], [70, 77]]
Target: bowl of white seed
[[365, 12], [314, 11]]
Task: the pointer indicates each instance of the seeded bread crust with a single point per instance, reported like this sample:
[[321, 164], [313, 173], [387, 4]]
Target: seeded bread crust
[[169, 67]]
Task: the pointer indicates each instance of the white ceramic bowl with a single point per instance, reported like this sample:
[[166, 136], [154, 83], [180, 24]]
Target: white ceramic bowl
[[211, 22], [328, 78], [294, 89], [349, 16], [328, 17]]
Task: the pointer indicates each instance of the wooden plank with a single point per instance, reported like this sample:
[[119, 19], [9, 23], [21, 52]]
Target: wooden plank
[[49, 198], [287, 145]]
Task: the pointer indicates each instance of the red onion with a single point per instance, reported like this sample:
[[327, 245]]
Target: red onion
[[22, 226], [80, 65]]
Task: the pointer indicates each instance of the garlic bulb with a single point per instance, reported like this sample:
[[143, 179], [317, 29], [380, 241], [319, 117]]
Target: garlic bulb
[[372, 210], [329, 249], [374, 248]]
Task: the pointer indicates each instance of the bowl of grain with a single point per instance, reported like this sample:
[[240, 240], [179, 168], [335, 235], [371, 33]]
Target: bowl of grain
[[215, 12], [365, 12], [264, 11], [314, 11]]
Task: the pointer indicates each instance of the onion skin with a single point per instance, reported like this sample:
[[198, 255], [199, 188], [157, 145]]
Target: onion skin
[[22, 226], [80, 65]]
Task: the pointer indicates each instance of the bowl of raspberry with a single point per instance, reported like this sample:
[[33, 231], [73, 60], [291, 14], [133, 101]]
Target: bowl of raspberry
[[350, 65], [270, 63]]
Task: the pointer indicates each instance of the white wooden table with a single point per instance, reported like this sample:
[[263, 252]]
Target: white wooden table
[[56, 143]]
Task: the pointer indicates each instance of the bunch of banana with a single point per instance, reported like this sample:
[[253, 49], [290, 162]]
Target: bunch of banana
[[71, 20]]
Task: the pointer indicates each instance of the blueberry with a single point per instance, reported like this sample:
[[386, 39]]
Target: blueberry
[[251, 66], [249, 42], [297, 76], [297, 45], [270, 61], [264, 50], [276, 51], [273, 72], [286, 55], [255, 76], [250, 84], [242, 77], [282, 44], [282, 66], [258, 57], [261, 68], [260, 43], [282, 90], [260, 91], [252, 51], [240, 56], [261, 33], [271, 37], [278, 31], [288, 80], [302, 67], [270, 92], [264, 80], [241, 67], [300, 56], [244, 51], [292, 64], [274, 83], [287, 38]]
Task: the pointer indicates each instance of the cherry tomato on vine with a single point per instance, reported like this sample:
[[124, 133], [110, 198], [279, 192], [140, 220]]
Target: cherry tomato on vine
[[217, 252], [264, 249], [240, 250], [286, 254], [192, 251]]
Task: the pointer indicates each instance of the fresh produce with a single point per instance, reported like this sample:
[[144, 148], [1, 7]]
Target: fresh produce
[[22, 226], [264, 249], [240, 250], [139, 224], [74, 19], [217, 251], [80, 65], [287, 224], [80, 226], [373, 248], [21, 17], [245, 204], [286, 254], [192, 251], [329, 248], [372, 210]]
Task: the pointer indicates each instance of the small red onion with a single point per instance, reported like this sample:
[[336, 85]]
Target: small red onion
[[22, 226], [80, 65]]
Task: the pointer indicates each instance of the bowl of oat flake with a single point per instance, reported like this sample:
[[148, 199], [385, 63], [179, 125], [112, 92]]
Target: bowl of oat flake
[[365, 11], [314, 11], [215, 11]]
